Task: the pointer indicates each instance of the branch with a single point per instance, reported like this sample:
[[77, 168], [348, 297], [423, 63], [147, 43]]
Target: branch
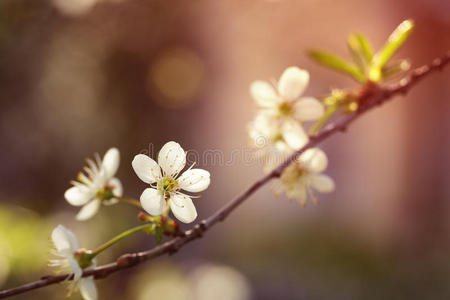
[[370, 96]]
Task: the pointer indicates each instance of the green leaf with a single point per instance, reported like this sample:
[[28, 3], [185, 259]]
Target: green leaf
[[396, 39], [366, 46], [336, 63], [357, 53]]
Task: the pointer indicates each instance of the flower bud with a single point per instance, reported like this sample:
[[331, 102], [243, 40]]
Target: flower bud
[[170, 227]]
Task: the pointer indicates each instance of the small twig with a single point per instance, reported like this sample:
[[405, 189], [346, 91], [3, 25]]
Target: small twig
[[376, 96]]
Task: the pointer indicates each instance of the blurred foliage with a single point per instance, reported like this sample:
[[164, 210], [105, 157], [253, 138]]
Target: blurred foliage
[[24, 240], [366, 64]]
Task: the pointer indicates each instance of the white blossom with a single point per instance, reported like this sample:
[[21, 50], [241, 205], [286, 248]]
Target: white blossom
[[166, 185], [97, 186], [284, 102], [277, 130], [303, 175], [66, 245]]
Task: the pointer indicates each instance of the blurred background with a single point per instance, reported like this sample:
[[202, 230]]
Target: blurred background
[[81, 76]]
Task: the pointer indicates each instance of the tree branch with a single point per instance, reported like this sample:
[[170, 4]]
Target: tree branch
[[370, 96]]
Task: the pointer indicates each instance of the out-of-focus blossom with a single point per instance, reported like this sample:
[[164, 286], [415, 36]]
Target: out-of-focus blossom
[[74, 7], [274, 143], [284, 102], [66, 246], [277, 130], [166, 186], [78, 7], [99, 186], [219, 283], [303, 175]]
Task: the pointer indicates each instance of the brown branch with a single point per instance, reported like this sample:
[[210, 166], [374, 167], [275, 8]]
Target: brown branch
[[369, 97]]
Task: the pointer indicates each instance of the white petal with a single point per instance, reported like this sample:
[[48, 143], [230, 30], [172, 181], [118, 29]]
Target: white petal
[[64, 240], [264, 94], [183, 208], [323, 183], [172, 158], [78, 195], [117, 191], [308, 109], [292, 83], [275, 155], [76, 269], [194, 180], [294, 134], [263, 129], [267, 122], [117, 186], [153, 201], [146, 168], [88, 289], [111, 162], [314, 160], [89, 210]]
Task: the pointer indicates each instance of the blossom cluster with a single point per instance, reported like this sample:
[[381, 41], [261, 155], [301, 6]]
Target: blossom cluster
[[277, 132], [98, 186]]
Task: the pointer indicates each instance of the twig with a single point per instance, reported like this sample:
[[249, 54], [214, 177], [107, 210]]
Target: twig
[[369, 97]]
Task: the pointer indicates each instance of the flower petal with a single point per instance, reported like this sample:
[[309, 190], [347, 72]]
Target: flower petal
[[314, 160], [89, 210], [183, 208], [264, 94], [194, 180], [117, 186], [172, 158], [78, 195], [111, 162], [294, 134], [153, 201], [323, 183], [87, 288], [292, 83], [64, 240], [117, 190], [76, 269], [146, 168], [308, 109], [275, 155]]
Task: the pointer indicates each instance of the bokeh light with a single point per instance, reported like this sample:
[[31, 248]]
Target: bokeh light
[[178, 75]]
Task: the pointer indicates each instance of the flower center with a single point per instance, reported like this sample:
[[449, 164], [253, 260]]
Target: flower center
[[105, 193], [293, 174], [285, 109], [167, 184], [278, 137]]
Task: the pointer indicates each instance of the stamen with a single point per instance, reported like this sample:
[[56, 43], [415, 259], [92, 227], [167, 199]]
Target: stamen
[[92, 165], [84, 179], [89, 172], [312, 195], [98, 159]]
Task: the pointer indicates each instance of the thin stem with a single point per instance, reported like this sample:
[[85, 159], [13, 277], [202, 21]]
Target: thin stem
[[167, 209], [331, 110], [130, 201], [117, 238]]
